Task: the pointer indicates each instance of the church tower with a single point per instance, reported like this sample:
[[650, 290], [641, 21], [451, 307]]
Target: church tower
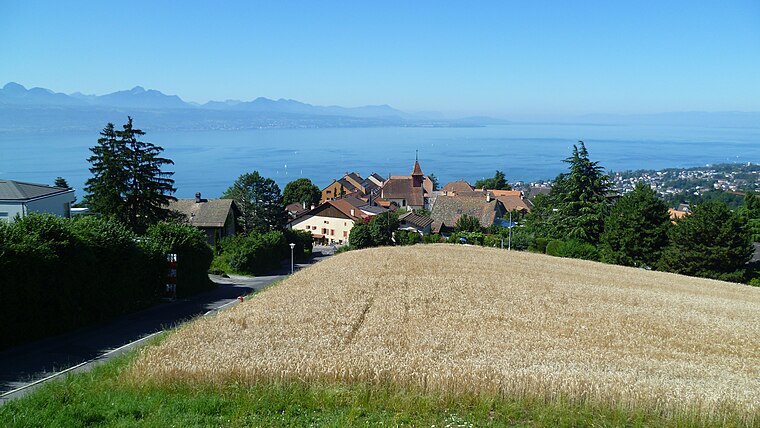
[[417, 177]]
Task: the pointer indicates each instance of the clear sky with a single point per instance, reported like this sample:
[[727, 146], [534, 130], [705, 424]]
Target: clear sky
[[500, 58]]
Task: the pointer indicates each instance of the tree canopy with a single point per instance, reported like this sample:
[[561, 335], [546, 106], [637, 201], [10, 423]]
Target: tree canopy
[[575, 208], [468, 223], [301, 191], [636, 229], [259, 201], [711, 243], [128, 182], [750, 214], [497, 182]]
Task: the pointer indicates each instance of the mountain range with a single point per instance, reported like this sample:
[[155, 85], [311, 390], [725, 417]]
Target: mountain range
[[40, 109]]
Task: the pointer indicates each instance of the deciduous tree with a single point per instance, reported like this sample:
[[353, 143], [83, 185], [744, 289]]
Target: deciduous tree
[[301, 191], [259, 201]]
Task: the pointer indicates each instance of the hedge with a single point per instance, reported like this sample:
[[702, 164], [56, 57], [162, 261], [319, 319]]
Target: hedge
[[57, 274]]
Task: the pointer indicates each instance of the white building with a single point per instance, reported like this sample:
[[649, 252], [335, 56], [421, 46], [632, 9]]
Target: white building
[[330, 222], [20, 199]]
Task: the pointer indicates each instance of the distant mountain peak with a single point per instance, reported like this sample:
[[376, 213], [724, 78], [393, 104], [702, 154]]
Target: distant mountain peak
[[137, 90], [13, 87]]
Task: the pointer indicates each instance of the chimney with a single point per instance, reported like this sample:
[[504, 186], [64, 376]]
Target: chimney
[[353, 213], [304, 205], [488, 196], [197, 197], [312, 206]]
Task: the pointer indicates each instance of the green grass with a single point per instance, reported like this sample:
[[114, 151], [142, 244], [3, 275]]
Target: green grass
[[102, 397]]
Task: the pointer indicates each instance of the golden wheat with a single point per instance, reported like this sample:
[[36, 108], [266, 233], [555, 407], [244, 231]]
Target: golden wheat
[[468, 320]]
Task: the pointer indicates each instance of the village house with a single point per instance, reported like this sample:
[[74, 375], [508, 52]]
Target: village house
[[330, 222], [408, 192], [457, 186], [19, 199], [412, 222], [217, 218], [481, 205], [352, 184], [513, 200]]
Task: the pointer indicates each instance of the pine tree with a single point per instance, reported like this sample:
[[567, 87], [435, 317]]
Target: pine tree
[[127, 181], [711, 243], [108, 182], [575, 208], [636, 229], [750, 214], [148, 188]]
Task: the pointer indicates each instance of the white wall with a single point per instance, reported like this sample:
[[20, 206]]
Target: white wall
[[59, 205], [12, 209], [335, 227]]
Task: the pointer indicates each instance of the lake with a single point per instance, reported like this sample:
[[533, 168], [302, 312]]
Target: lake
[[210, 161]]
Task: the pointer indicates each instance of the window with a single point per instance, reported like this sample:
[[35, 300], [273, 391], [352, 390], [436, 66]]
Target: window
[[332, 231], [324, 231], [327, 222], [345, 234]]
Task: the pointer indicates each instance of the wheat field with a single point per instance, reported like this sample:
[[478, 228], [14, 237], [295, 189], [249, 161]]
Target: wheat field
[[456, 319]]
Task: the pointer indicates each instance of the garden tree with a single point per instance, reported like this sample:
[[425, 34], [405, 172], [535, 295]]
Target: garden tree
[[259, 201], [61, 182], [575, 208], [360, 236], [434, 180], [148, 188], [710, 243], [301, 191], [382, 226], [750, 214], [497, 182], [128, 182], [468, 223], [636, 229], [106, 187]]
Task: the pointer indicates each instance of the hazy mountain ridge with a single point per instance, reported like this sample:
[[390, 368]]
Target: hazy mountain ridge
[[40, 109]]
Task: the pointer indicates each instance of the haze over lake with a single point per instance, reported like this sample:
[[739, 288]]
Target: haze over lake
[[209, 161]]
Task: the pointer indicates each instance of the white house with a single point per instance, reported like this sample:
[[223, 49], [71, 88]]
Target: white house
[[18, 198], [331, 222]]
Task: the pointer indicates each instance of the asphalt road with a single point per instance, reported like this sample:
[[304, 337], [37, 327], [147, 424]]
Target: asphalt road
[[27, 366]]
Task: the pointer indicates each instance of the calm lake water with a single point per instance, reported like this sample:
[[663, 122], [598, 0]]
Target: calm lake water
[[209, 161]]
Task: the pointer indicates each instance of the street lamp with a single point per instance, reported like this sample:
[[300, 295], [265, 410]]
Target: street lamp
[[292, 246], [509, 247]]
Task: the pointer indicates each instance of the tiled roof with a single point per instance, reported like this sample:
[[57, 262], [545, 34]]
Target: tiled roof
[[419, 221], [20, 191], [417, 170], [207, 213], [345, 207], [448, 209], [348, 186], [458, 186], [402, 188], [497, 192], [356, 202], [515, 202]]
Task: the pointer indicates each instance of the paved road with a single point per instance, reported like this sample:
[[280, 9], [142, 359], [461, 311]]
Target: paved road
[[78, 350]]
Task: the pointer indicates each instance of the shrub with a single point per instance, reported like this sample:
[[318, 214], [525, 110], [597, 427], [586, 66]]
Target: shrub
[[553, 247], [303, 241], [539, 245], [254, 253], [407, 237], [194, 256], [578, 250]]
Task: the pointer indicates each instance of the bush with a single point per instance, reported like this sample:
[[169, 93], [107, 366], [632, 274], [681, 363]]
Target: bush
[[572, 249], [407, 237], [473, 238], [194, 256], [553, 247], [254, 253], [539, 245], [432, 238], [60, 274], [303, 241]]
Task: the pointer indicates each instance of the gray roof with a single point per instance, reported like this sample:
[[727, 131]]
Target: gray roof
[[448, 209], [207, 213], [19, 191], [417, 220]]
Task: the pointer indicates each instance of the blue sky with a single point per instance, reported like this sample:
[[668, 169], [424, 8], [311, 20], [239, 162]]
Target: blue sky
[[501, 58]]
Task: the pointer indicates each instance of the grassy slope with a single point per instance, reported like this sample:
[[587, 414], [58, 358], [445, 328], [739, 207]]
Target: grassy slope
[[720, 318]]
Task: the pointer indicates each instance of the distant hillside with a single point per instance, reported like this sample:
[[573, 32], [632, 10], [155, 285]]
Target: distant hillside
[[40, 109], [478, 321]]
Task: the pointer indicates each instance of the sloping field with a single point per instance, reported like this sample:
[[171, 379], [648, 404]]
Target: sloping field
[[469, 320]]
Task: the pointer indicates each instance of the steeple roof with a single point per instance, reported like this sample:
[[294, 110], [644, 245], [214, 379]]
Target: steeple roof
[[417, 170]]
